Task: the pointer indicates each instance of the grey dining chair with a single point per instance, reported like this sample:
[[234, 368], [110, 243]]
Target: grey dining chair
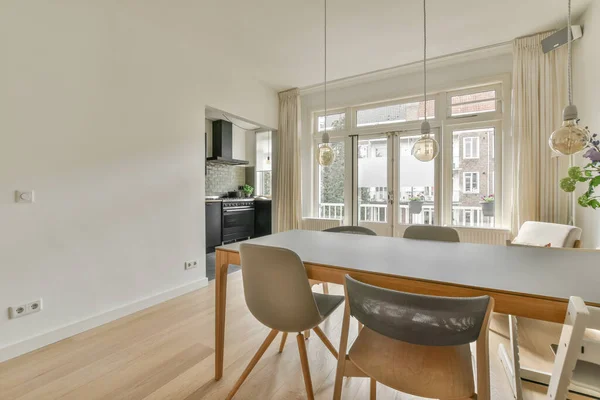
[[348, 229], [356, 230], [278, 294], [431, 232], [416, 344]]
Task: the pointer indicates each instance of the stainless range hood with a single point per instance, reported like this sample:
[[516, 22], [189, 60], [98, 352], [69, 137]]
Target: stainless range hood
[[222, 141]]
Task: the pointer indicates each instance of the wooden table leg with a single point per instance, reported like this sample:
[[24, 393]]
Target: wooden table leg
[[221, 267]]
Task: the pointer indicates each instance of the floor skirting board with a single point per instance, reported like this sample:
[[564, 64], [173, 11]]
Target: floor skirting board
[[66, 331]]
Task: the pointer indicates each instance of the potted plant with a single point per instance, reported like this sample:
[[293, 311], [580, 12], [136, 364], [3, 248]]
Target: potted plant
[[415, 204], [488, 205], [247, 189], [589, 174]]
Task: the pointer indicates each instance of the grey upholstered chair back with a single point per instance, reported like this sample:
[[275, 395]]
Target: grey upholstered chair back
[[431, 232], [276, 288], [417, 319], [356, 230]]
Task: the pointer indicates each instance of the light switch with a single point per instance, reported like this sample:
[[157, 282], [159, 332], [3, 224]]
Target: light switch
[[24, 196]]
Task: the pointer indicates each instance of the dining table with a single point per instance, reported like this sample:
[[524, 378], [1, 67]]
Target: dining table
[[524, 281]]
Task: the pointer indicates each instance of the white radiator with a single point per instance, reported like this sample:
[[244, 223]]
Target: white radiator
[[318, 224], [483, 236]]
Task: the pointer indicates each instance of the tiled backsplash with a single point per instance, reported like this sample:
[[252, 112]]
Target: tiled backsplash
[[221, 178]]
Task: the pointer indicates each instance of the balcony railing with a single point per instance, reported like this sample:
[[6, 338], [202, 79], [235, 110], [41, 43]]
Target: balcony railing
[[331, 210], [461, 215]]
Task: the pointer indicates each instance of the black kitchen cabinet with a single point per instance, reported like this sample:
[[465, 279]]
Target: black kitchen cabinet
[[213, 225], [262, 218]]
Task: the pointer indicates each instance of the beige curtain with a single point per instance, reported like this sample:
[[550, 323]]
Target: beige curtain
[[539, 95], [287, 163]]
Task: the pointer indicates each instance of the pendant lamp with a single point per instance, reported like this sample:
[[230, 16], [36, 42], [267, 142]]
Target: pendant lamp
[[325, 154], [570, 138], [426, 148]]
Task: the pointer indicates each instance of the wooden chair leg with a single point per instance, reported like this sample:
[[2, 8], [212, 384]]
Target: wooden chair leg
[[325, 288], [283, 339], [339, 374], [373, 389], [325, 341], [305, 368], [253, 362], [306, 334]]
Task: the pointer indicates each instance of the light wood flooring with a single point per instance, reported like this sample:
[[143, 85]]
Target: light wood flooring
[[166, 352]]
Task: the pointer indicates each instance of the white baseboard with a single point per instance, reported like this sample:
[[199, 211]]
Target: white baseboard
[[63, 332]]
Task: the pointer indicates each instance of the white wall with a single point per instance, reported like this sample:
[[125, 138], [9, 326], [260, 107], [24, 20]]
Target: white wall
[[102, 114], [250, 148], [586, 82], [444, 74], [239, 143]]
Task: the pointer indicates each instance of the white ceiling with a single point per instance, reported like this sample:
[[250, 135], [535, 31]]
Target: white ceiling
[[280, 42]]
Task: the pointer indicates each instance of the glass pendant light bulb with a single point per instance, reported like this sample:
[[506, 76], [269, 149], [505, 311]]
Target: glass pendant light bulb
[[426, 148], [570, 138], [325, 155]]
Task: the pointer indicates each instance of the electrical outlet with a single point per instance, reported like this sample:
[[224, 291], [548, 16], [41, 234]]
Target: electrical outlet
[[17, 311], [191, 264], [34, 306], [25, 309]]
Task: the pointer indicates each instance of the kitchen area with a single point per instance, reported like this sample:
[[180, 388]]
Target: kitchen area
[[238, 182]]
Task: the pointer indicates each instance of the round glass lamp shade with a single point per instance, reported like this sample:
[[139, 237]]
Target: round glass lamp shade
[[569, 139], [425, 149], [325, 155]]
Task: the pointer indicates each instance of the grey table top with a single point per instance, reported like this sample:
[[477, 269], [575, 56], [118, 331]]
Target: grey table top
[[550, 272]]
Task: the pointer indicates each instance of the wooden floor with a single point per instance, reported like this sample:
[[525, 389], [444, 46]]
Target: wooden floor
[[166, 352]]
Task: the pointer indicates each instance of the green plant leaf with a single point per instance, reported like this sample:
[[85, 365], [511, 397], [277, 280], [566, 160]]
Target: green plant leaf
[[583, 200], [568, 185], [594, 204], [595, 181], [575, 173]]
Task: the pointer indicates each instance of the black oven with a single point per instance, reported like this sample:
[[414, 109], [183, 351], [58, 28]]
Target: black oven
[[238, 219]]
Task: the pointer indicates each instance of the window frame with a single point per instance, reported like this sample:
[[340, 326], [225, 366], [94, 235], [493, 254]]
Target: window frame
[[316, 196], [473, 140], [393, 126], [471, 174], [446, 124], [332, 132], [259, 171], [482, 116]]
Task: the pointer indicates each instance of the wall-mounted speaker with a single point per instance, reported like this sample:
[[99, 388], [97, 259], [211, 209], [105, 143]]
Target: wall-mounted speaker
[[560, 38]]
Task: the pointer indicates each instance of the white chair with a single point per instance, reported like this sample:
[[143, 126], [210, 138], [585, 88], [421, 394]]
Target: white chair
[[533, 233], [577, 364]]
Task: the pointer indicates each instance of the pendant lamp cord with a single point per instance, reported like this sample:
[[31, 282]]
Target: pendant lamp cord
[[569, 72], [425, 55], [325, 71]]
